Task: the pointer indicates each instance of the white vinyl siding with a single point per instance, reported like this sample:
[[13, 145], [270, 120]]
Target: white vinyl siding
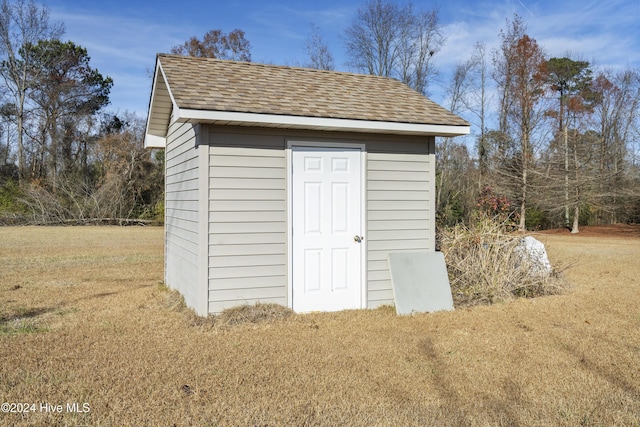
[[247, 215], [181, 211], [399, 214]]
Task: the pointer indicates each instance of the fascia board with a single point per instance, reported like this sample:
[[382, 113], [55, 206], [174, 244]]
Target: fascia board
[[321, 123]]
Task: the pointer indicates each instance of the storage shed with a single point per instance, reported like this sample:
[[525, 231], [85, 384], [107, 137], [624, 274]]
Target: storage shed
[[291, 185]]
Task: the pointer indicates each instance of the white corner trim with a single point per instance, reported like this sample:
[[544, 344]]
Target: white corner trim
[[321, 123], [203, 224]]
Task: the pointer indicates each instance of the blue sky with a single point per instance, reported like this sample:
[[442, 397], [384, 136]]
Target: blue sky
[[123, 37]]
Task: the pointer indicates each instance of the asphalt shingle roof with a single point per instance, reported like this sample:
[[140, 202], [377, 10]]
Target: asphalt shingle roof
[[217, 85]]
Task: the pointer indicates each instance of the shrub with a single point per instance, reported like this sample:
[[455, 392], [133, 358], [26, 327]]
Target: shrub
[[9, 195], [486, 263]]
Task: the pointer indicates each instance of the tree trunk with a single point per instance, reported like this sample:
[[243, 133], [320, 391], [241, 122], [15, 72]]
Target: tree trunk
[[523, 206], [576, 220], [566, 175]]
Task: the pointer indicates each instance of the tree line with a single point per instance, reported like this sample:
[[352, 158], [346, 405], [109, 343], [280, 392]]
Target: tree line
[[564, 148], [63, 158], [554, 138], [555, 141]]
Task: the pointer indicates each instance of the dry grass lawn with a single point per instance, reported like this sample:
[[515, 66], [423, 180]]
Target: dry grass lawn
[[84, 319]]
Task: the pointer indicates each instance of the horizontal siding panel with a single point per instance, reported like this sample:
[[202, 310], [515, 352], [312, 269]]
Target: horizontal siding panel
[[182, 135], [188, 214], [246, 151], [246, 239], [384, 293], [182, 210], [381, 297], [183, 196], [181, 185], [219, 138], [181, 174], [382, 255], [180, 157], [378, 265], [255, 249], [177, 257], [384, 175], [241, 295], [182, 248], [395, 245], [179, 153], [398, 185], [397, 157], [391, 235], [254, 183], [247, 260], [420, 224], [234, 172], [246, 194], [246, 284], [380, 285], [256, 271], [248, 161], [397, 195], [182, 236], [249, 227], [397, 215], [179, 225], [377, 275], [247, 216], [398, 205], [246, 205], [387, 165]]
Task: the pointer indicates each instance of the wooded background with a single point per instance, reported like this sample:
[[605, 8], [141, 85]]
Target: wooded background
[[554, 139]]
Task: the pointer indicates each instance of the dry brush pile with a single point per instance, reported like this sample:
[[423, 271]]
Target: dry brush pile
[[487, 263]]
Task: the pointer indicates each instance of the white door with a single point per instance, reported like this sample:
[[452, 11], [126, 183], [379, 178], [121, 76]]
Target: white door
[[326, 234]]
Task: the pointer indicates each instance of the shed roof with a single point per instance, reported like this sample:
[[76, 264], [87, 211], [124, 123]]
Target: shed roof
[[250, 94]]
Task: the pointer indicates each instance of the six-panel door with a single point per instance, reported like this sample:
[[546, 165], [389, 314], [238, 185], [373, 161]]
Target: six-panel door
[[326, 229]]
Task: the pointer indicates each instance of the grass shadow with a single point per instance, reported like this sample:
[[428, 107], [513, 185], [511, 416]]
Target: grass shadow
[[23, 320]]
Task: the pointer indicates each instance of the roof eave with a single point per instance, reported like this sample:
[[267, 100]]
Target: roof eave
[[318, 123], [161, 104]]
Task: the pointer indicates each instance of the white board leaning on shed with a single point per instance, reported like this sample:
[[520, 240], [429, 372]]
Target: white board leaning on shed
[[420, 282], [290, 185]]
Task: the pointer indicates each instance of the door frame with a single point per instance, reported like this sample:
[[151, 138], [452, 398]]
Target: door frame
[[291, 143]]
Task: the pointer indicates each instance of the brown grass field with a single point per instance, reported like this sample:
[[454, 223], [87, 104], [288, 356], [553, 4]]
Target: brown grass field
[[85, 320]]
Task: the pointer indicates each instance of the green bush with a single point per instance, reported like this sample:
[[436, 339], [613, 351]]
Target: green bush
[[10, 195]]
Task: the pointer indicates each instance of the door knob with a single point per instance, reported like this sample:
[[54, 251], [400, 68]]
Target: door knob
[[358, 238]]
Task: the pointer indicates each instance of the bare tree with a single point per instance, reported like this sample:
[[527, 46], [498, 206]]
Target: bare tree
[[387, 40], [520, 73], [427, 42], [320, 56], [616, 118], [503, 67], [216, 44], [22, 23], [477, 104]]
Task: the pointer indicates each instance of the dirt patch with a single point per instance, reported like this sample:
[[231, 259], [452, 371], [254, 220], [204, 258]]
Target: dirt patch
[[127, 353]]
